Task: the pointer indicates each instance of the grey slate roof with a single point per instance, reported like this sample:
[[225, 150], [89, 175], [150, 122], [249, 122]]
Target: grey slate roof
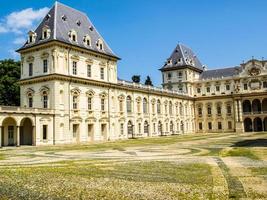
[[182, 56], [60, 29], [219, 73]]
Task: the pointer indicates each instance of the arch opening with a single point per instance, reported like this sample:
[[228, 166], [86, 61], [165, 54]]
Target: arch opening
[[26, 132]]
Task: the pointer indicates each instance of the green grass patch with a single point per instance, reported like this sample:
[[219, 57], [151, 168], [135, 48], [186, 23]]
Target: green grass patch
[[99, 180], [240, 151], [2, 157]]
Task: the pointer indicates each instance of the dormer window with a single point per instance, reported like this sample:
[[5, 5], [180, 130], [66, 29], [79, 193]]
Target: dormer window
[[100, 44], [46, 32], [91, 28], [78, 23], [87, 40], [73, 36], [64, 17], [31, 37]]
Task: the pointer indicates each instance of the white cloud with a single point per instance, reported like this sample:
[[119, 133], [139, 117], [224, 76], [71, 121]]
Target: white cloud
[[21, 21], [13, 54], [19, 40], [3, 29]]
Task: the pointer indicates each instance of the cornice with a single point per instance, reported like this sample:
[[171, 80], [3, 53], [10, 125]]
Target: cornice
[[85, 81]]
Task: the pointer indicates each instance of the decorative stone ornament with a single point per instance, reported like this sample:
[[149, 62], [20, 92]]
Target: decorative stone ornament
[[254, 71]]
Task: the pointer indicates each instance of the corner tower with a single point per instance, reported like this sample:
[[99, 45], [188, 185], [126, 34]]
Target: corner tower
[[180, 70]]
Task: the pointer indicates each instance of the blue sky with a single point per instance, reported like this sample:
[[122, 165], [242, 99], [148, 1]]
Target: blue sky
[[144, 32]]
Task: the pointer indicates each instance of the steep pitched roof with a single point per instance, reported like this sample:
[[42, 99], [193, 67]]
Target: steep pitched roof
[[181, 57], [219, 73], [60, 29]]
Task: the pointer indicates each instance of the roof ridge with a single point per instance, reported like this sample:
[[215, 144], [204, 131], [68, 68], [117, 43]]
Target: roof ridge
[[222, 68]]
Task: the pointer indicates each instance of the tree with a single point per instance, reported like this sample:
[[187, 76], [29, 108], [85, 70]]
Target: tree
[[148, 81], [9, 87], [136, 78]]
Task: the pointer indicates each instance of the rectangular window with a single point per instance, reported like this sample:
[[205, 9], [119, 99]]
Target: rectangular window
[[217, 88], [74, 68], [264, 84], [229, 109], [45, 100], [219, 110], [45, 66], [227, 87], [102, 75], [75, 129], [89, 72], [122, 129], [200, 126], [208, 89], [169, 76], [209, 110], [180, 75], [30, 102], [229, 125], [209, 125], [198, 90], [44, 132], [102, 104], [30, 69], [245, 86], [220, 125], [89, 103], [74, 102]]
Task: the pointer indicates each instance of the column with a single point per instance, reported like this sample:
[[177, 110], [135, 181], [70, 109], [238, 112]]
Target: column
[[18, 136], [0, 136], [33, 136], [240, 110]]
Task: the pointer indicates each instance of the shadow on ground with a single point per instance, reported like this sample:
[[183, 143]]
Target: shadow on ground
[[251, 143]]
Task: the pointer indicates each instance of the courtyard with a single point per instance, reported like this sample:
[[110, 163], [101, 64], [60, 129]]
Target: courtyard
[[199, 166]]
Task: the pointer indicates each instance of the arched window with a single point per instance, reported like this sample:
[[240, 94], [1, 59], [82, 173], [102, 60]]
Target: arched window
[[219, 109], [146, 127], [199, 111], [121, 105], [100, 44], [145, 106], [87, 41], [46, 32], [209, 109], [31, 37], [129, 104], [45, 99], [158, 107], [73, 36]]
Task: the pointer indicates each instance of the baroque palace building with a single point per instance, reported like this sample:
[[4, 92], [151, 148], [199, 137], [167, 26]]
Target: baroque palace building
[[70, 92]]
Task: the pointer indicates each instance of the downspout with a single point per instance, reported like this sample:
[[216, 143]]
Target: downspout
[[68, 65]]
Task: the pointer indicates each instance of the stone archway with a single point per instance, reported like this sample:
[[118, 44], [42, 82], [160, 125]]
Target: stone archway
[[264, 105], [256, 106], [9, 132], [26, 132], [248, 125], [246, 106], [257, 124], [265, 124]]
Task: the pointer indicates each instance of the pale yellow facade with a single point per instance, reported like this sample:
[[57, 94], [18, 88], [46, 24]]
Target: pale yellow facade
[[71, 94]]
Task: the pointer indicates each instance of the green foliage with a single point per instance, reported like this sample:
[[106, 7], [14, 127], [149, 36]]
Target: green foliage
[[9, 87]]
